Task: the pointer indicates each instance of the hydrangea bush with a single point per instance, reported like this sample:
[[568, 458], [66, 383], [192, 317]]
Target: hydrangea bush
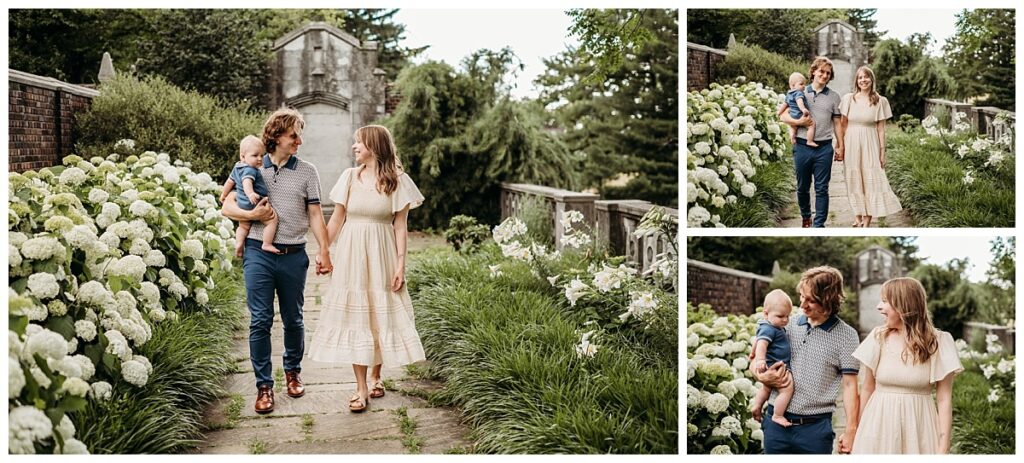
[[731, 131], [995, 364], [614, 294], [978, 153], [719, 386], [99, 251]]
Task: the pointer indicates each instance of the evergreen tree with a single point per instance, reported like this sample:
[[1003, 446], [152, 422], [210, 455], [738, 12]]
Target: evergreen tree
[[861, 18], [459, 135], [787, 32], [981, 56], [625, 124], [378, 25], [906, 75]]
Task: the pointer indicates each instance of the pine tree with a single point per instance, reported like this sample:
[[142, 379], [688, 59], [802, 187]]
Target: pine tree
[[378, 25], [626, 122], [981, 56]]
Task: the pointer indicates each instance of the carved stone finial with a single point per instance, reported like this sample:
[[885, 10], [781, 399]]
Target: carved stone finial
[[106, 68]]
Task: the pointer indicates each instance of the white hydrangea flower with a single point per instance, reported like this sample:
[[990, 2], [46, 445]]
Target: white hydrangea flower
[[98, 196], [75, 387], [118, 345], [42, 248], [149, 292], [41, 378], [43, 285], [74, 447], [178, 290], [201, 296], [13, 256], [716, 403], [139, 247], [73, 176], [93, 292], [81, 237], [192, 248], [135, 372], [101, 390], [130, 266], [27, 424], [15, 378], [130, 194], [154, 258], [46, 343], [140, 208]]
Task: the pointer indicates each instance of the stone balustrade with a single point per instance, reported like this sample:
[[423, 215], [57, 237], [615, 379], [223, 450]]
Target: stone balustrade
[[1007, 335], [613, 220], [980, 117]]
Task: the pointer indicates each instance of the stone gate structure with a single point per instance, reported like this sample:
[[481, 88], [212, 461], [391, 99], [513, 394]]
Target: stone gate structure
[[844, 45], [332, 78]]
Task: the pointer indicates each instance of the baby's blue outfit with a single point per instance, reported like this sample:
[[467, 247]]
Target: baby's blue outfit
[[778, 343], [242, 171], [791, 98]]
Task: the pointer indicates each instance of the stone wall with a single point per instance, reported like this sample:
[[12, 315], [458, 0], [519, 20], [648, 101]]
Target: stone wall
[[700, 65], [727, 290], [980, 117], [41, 119]]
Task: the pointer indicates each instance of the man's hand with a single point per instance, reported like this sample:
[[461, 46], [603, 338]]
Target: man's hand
[[775, 377], [323, 263], [840, 153], [263, 212]]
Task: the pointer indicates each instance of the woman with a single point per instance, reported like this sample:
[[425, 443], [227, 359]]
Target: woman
[[367, 316], [864, 114], [904, 361]]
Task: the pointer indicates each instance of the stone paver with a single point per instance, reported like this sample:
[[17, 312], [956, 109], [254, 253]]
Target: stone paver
[[329, 426], [840, 215]]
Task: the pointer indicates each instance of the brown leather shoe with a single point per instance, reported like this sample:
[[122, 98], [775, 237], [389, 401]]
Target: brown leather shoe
[[294, 383], [265, 400], [807, 222]]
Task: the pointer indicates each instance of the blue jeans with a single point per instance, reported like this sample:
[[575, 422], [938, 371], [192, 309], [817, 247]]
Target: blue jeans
[[810, 438], [813, 163], [267, 274]]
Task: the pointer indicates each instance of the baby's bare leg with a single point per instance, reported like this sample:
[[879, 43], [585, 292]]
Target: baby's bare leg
[[810, 135], [268, 236], [792, 134], [759, 399], [240, 234], [782, 403]]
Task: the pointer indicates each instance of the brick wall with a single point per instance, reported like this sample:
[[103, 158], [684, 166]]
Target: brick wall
[[700, 65], [391, 98], [41, 119], [728, 291]]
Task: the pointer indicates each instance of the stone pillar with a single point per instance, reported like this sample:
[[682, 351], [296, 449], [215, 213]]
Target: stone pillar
[[872, 267], [843, 44], [106, 69]]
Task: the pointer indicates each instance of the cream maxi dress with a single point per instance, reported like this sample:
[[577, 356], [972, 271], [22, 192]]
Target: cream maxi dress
[[867, 186], [362, 321], [901, 417]]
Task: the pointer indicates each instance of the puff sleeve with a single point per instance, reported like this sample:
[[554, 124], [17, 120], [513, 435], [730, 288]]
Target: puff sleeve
[[406, 194], [883, 111], [339, 194], [945, 360], [869, 351], [844, 104]]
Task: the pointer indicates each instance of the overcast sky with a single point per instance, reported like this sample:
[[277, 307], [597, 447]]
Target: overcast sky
[[900, 24], [455, 33], [942, 249]]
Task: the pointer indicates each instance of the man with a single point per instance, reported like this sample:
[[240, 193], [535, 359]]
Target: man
[[822, 362], [294, 190], [816, 162]]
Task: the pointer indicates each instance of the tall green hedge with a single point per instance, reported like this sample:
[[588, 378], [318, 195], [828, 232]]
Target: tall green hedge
[[759, 65], [161, 117]]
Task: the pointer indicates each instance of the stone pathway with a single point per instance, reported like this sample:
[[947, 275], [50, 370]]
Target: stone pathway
[[840, 215], [319, 422]]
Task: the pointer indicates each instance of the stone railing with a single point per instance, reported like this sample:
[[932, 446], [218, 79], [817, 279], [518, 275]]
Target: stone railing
[[1007, 335], [980, 117], [615, 220]]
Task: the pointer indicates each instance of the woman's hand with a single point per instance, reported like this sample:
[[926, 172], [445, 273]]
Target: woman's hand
[[398, 281], [881, 159]]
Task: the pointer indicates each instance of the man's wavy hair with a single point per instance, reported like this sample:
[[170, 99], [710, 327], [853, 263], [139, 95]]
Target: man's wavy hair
[[820, 62], [278, 123], [825, 284]]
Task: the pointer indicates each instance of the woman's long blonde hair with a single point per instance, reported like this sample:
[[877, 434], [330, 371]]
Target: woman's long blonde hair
[[907, 297], [873, 95], [378, 140]]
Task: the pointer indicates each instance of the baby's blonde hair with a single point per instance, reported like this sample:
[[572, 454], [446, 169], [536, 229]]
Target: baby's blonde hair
[[795, 78], [250, 142]]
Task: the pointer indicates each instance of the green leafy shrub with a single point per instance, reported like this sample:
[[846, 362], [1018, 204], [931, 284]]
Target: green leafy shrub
[[539, 218], [161, 117], [908, 123], [464, 234], [758, 65]]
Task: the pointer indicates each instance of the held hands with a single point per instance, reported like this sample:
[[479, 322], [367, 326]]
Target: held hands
[[840, 153], [846, 442], [323, 263]]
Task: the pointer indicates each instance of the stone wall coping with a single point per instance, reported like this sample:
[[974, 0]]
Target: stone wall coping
[[993, 110], [727, 270], [989, 326], [322, 26], [698, 47], [50, 83], [554, 193], [946, 102]]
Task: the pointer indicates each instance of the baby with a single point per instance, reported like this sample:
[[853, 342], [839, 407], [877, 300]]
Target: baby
[[770, 346], [796, 103], [247, 180]]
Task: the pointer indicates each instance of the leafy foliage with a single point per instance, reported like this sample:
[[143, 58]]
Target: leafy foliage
[[626, 123], [159, 116], [981, 55], [784, 31], [464, 234], [756, 63], [906, 75], [951, 297], [758, 254], [460, 135]]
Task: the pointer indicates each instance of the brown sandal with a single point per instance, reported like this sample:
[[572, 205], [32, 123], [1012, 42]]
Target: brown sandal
[[356, 399], [378, 389]]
